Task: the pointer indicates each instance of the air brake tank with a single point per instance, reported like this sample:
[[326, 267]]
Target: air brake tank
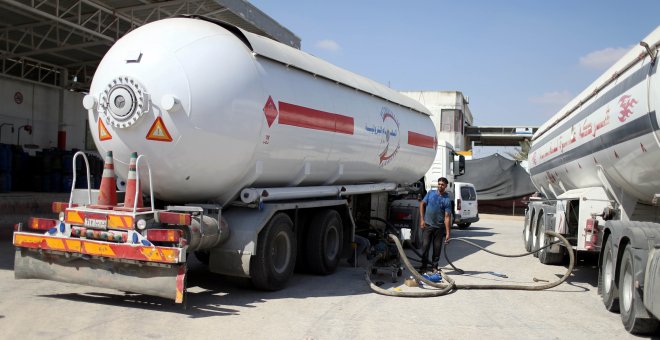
[[216, 109]]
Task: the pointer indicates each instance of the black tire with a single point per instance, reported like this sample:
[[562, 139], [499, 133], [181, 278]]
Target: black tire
[[324, 242], [545, 256], [606, 282], [463, 225], [633, 313], [275, 258], [203, 256], [416, 237], [527, 230], [535, 233]]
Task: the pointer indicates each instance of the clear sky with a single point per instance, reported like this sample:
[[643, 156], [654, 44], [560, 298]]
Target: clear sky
[[518, 61]]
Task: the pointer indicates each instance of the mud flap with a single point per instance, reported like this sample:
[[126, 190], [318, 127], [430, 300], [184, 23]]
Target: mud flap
[[166, 280]]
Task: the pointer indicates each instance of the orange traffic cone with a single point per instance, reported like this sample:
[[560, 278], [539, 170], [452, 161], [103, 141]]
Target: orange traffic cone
[[108, 189], [132, 185]]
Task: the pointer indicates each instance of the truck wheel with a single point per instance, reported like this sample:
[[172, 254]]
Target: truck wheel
[[416, 237], [536, 238], [630, 302], [527, 231], [545, 256], [608, 287], [463, 225], [203, 256], [272, 265], [324, 242]]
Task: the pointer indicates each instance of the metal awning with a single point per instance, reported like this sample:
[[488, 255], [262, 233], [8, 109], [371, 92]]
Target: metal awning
[[498, 135], [61, 42]]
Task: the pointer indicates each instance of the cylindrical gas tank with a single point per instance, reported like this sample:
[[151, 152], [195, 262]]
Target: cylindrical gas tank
[[608, 136], [216, 109]]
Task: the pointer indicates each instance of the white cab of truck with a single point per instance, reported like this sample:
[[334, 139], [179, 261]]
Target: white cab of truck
[[466, 208]]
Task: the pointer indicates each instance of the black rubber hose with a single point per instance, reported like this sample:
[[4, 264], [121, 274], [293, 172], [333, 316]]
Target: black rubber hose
[[461, 271], [451, 284], [571, 264]]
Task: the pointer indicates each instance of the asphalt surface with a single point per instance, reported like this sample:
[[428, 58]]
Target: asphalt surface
[[339, 306]]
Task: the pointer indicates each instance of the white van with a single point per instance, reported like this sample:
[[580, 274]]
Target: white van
[[466, 209]]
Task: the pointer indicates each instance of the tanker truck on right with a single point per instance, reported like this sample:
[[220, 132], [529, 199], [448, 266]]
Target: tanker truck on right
[[596, 166]]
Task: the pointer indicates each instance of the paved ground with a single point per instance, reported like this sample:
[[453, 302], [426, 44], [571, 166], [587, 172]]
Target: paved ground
[[339, 306]]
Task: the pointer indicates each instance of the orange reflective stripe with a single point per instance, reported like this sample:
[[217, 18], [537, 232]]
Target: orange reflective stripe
[[152, 254], [74, 217], [26, 240], [93, 248], [55, 243], [73, 245], [119, 221], [170, 254]]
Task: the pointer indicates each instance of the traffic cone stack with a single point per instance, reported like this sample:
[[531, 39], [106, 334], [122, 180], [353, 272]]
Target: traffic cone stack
[[132, 186], [108, 190]]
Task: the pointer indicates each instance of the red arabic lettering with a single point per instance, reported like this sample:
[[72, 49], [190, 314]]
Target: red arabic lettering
[[626, 102]]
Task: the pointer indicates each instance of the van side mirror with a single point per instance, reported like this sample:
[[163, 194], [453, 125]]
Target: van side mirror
[[459, 166]]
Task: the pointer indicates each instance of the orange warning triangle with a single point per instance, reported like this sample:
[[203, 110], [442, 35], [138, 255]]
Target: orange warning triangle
[[104, 134], [159, 132]]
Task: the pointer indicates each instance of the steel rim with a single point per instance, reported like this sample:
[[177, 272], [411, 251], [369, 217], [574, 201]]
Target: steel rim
[[280, 253], [527, 227], [627, 289], [607, 272], [332, 242]]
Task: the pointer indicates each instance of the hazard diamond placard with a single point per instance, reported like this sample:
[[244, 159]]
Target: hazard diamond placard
[[158, 132], [104, 134]]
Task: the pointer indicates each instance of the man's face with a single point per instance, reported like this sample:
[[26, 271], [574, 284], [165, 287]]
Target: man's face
[[442, 186]]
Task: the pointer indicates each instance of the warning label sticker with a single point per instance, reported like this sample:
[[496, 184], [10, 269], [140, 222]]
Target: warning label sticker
[[158, 132], [104, 134]]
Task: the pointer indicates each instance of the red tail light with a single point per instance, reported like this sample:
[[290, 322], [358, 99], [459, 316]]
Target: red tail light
[[401, 216], [164, 235], [458, 204], [41, 223], [591, 234]]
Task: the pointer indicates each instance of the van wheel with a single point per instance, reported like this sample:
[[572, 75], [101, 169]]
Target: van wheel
[[272, 265], [463, 225], [324, 242]]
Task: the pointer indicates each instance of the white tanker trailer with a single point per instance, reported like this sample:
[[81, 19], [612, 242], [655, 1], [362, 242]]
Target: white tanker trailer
[[263, 143], [596, 165]]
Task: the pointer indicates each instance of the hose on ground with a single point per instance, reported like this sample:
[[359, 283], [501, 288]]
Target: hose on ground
[[461, 271], [445, 288]]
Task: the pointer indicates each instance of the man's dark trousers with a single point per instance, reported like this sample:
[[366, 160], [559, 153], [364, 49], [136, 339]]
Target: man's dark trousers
[[435, 236]]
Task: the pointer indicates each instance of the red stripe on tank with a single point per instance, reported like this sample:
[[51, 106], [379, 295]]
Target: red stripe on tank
[[305, 117], [419, 139]]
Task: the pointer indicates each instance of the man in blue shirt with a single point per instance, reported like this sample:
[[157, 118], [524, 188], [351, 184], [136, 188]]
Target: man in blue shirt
[[435, 212]]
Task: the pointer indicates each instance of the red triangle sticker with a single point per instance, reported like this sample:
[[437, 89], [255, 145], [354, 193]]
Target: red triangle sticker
[[104, 134], [158, 132]]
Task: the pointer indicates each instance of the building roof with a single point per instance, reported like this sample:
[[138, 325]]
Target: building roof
[[60, 43]]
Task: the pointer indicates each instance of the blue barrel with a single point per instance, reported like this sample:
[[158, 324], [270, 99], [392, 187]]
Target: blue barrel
[[5, 182], [67, 180], [46, 183], [67, 162], [56, 182], [5, 158]]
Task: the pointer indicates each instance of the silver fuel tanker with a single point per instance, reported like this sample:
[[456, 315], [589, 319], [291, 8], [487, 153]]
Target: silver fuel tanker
[[272, 155], [595, 164]]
